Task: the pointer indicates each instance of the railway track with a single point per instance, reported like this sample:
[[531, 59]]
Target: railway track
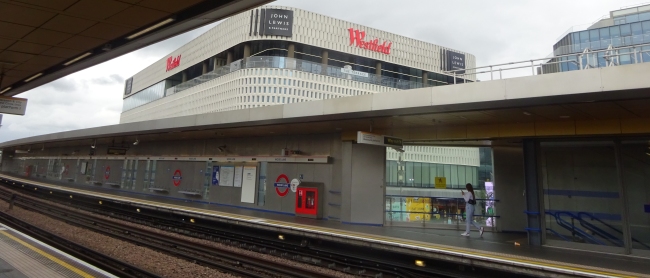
[[221, 259], [323, 254], [107, 263]]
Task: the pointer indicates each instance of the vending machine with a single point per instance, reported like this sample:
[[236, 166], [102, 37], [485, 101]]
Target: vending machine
[[309, 200]]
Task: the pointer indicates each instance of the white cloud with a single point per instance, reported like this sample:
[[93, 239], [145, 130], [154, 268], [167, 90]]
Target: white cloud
[[494, 31]]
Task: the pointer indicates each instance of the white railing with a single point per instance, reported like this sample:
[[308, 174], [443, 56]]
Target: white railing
[[579, 61]]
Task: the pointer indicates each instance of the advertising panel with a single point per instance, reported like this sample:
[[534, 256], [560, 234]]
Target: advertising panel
[[215, 175], [227, 174], [454, 61], [276, 22], [248, 184]]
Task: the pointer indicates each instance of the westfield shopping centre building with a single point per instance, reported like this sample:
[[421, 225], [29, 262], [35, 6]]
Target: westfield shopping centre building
[[276, 55]]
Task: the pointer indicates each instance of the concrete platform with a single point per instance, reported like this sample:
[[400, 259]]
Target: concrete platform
[[22, 256], [493, 249]]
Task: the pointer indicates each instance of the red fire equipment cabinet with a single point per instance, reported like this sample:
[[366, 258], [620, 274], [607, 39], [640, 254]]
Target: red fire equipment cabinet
[[309, 200]]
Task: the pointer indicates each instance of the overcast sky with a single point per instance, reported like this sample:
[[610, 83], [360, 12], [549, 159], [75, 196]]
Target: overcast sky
[[497, 31]]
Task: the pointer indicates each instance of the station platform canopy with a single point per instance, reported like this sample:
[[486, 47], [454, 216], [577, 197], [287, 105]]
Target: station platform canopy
[[43, 40]]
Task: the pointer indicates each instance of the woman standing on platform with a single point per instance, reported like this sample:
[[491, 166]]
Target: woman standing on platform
[[470, 202]]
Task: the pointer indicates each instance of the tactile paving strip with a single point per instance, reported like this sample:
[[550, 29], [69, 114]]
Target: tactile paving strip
[[39, 264]]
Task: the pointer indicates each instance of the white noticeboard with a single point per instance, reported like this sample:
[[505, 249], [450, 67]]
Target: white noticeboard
[[84, 165], [248, 184], [377, 139], [227, 174], [13, 105], [238, 175]]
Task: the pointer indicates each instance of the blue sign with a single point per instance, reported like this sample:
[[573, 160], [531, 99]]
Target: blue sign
[[215, 175], [647, 208], [281, 185]]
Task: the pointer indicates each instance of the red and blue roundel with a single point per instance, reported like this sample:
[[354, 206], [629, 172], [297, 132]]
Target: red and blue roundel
[[177, 177]]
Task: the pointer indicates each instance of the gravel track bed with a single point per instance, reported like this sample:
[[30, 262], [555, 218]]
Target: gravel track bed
[[147, 259]]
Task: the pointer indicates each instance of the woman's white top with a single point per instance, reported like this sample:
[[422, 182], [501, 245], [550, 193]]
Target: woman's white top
[[467, 196]]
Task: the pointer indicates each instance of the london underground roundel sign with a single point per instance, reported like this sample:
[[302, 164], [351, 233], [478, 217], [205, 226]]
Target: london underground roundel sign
[[177, 177], [107, 172], [282, 188]]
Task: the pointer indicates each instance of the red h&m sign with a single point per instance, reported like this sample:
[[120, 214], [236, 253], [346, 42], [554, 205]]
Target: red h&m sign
[[356, 37], [173, 62]]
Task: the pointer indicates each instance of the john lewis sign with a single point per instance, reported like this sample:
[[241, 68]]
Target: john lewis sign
[[276, 22]]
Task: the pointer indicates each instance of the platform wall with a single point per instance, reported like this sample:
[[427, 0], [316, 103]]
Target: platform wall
[[509, 185], [63, 165]]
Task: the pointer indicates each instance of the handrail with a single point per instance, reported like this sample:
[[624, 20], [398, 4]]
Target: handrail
[[557, 234], [571, 227], [593, 217], [587, 53]]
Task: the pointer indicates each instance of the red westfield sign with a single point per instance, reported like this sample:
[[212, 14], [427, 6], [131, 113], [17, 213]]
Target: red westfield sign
[[356, 37], [173, 62]]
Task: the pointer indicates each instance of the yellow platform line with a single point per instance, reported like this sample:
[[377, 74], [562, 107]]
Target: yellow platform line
[[45, 254], [307, 228]]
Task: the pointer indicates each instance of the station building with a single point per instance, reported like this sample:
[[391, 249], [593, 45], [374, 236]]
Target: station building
[[621, 38], [277, 55]]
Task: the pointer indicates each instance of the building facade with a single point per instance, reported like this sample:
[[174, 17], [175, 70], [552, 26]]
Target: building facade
[[622, 38], [277, 55]]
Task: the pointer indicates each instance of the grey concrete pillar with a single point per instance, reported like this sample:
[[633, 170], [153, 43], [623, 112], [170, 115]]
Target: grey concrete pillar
[[425, 77], [229, 57], [324, 58], [362, 178], [291, 50], [216, 62], [206, 64], [247, 50], [378, 71], [534, 210], [183, 76]]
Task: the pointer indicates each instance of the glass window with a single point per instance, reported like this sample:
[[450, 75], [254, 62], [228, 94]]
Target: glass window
[[604, 37], [632, 18], [626, 30], [615, 33], [644, 16], [636, 28]]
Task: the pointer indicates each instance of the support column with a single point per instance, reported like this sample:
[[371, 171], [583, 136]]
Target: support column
[[363, 170], [425, 77], [206, 64], [625, 223], [378, 71], [324, 58], [229, 57], [183, 76], [247, 50], [216, 62], [291, 50], [534, 209]]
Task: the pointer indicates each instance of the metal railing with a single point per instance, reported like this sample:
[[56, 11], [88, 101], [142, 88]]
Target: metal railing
[[276, 62], [585, 60]]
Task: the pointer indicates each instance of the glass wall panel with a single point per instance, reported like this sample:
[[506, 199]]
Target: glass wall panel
[[145, 96], [581, 195], [636, 179], [417, 174], [594, 38], [408, 173], [615, 33], [644, 16], [427, 181]]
